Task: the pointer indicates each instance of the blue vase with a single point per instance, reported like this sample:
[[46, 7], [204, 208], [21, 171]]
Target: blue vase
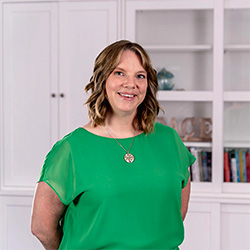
[[165, 79]]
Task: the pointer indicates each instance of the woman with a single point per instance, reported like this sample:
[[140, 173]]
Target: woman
[[122, 180]]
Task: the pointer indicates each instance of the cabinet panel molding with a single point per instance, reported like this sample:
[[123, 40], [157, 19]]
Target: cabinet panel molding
[[30, 75], [235, 229], [85, 29], [202, 227], [15, 224]]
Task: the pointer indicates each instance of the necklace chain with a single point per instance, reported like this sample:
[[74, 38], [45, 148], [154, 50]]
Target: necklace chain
[[129, 158]]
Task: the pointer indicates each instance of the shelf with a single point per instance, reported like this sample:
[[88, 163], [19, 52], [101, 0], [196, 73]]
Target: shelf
[[178, 48], [237, 47], [192, 96], [236, 187], [228, 197], [232, 144], [198, 144], [237, 4], [237, 96]]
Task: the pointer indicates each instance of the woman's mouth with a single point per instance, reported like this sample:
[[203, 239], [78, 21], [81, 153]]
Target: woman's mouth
[[126, 95]]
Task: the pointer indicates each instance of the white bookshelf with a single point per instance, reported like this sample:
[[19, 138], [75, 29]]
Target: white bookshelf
[[208, 52]]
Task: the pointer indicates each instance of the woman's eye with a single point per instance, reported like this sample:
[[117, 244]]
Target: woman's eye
[[119, 73], [141, 76]]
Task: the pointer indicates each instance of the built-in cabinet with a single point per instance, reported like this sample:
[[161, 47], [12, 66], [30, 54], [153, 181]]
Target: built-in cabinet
[[46, 58]]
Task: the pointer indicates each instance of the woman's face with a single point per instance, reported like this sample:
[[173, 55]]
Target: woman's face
[[126, 86]]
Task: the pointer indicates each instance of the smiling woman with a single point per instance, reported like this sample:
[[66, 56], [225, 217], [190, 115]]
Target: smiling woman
[[130, 67], [122, 180]]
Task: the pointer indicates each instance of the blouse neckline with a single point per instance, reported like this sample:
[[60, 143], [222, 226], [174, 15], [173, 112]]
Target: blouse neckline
[[105, 137]]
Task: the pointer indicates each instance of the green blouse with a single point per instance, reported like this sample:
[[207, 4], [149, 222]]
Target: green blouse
[[112, 204]]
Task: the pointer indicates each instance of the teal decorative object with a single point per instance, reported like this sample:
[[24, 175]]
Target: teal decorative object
[[165, 79]]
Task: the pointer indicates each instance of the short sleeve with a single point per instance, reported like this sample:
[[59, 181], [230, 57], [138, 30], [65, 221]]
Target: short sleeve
[[186, 159], [58, 171]]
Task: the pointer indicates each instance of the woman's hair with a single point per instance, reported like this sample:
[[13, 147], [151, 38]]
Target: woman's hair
[[105, 63]]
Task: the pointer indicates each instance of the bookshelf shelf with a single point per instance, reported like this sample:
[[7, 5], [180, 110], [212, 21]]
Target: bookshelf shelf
[[236, 187], [237, 47], [237, 96], [238, 144], [198, 144], [199, 96]]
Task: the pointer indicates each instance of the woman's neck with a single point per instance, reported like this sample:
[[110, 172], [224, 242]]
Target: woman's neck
[[121, 127]]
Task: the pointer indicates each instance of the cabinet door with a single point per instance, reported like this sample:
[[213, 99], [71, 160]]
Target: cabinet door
[[235, 226], [202, 226], [29, 78], [15, 224], [85, 29]]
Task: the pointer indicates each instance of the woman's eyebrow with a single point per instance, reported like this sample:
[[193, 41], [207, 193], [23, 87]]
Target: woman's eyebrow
[[118, 68], [140, 71]]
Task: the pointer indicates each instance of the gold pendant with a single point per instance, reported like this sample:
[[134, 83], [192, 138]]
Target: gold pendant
[[129, 158]]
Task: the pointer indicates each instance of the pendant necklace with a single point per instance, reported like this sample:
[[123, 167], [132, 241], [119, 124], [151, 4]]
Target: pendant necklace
[[128, 157]]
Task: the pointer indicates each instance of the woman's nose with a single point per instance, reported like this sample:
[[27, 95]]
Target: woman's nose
[[129, 83]]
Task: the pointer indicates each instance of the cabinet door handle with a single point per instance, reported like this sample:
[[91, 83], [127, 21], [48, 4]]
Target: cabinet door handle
[[62, 95], [53, 95]]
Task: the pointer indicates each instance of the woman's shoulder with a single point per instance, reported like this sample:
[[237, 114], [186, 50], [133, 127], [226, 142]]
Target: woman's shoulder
[[68, 140], [163, 129]]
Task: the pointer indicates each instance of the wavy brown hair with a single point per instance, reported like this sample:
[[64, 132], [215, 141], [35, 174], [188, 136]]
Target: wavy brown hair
[[105, 63]]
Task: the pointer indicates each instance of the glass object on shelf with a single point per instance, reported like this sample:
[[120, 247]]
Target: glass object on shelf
[[192, 71], [165, 79]]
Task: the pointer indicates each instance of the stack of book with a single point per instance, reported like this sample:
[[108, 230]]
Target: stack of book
[[201, 170], [236, 165]]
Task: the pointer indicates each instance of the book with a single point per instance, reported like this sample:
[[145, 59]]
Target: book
[[241, 167], [237, 164], [200, 163], [209, 165], [234, 169], [248, 165], [204, 165], [195, 167], [231, 155], [226, 167], [244, 165]]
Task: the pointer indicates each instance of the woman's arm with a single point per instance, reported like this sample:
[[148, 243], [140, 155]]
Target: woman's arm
[[46, 213], [185, 193]]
